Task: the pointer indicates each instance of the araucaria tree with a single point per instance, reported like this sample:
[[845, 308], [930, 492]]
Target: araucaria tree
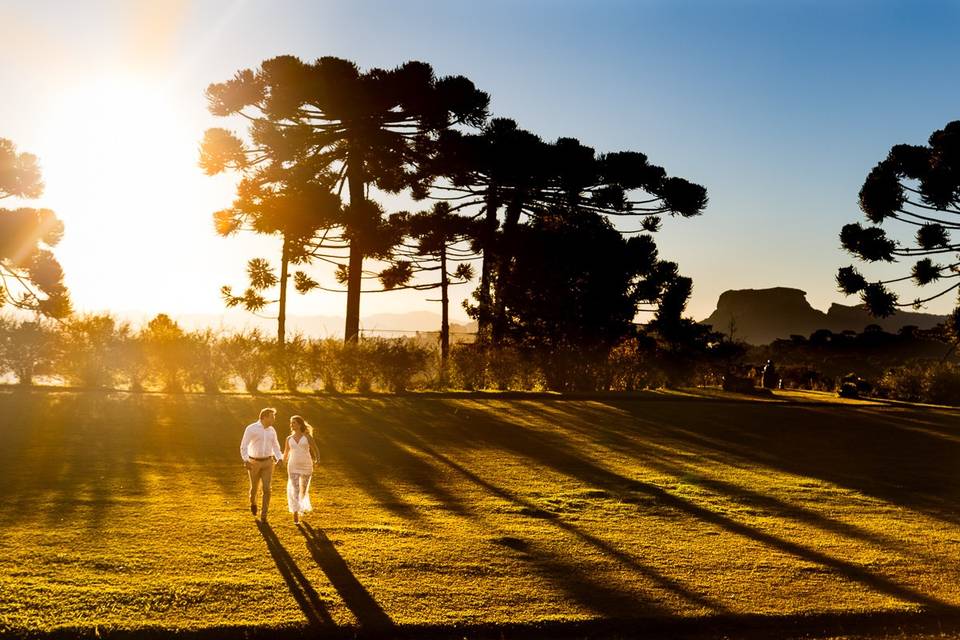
[[283, 192], [441, 245], [575, 288], [30, 276], [507, 169], [372, 128], [918, 187]]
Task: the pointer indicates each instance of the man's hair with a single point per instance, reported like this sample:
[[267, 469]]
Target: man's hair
[[269, 411]]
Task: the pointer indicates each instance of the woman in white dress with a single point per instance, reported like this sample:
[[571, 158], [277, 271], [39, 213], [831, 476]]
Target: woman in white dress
[[299, 454]]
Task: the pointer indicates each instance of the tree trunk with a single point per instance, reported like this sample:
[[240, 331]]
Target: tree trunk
[[510, 222], [355, 184], [282, 314], [484, 300], [444, 314]]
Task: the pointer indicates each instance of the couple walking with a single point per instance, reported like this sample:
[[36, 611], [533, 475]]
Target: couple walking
[[260, 450]]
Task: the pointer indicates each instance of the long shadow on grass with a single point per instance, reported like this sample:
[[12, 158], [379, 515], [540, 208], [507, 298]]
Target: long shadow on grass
[[410, 435], [365, 608], [73, 460], [300, 588], [646, 442], [865, 450], [353, 440], [548, 449]]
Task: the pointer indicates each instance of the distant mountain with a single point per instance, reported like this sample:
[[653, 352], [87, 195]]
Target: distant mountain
[[761, 316], [381, 324]]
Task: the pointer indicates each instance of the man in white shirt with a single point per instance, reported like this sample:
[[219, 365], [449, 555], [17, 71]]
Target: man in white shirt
[[260, 451]]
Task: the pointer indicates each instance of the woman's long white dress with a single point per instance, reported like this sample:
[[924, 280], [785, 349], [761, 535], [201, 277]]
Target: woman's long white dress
[[299, 472]]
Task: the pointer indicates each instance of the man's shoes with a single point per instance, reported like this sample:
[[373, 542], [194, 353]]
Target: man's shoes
[[253, 510], [296, 518]]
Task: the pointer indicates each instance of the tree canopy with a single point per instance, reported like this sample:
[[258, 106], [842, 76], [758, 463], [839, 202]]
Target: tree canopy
[[30, 275], [919, 188], [372, 128]]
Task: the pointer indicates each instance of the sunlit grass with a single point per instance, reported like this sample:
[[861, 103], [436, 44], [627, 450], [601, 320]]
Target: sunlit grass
[[128, 511]]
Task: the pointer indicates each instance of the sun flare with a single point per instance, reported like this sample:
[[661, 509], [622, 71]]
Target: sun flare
[[119, 157], [111, 146]]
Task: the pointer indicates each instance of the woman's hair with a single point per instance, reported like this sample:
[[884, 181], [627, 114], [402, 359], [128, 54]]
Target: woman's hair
[[303, 425]]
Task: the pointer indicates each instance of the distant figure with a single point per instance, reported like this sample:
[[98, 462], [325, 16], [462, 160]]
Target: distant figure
[[768, 379], [299, 454], [260, 451]]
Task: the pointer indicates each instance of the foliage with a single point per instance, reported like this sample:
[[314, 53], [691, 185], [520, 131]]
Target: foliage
[[373, 126], [468, 366], [395, 361], [248, 356], [206, 362], [90, 348], [918, 186], [632, 366], [290, 363], [933, 382], [168, 349], [588, 298], [30, 276], [132, 361], [27, 349]]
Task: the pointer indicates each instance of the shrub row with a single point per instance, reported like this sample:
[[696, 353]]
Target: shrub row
[[98, 351], [933, 382]]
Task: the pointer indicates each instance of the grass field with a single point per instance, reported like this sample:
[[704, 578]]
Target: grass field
[[434, 514]]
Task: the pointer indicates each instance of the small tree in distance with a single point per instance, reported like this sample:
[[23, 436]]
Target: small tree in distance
[[441, 241]]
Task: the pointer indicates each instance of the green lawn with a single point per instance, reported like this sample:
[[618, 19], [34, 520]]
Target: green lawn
[[667, 511]]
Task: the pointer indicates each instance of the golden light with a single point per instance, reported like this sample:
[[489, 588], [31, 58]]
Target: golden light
[[114, 145], [119, 158]]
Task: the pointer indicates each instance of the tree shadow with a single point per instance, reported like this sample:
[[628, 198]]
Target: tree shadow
[[300, 588], [656, 577], [398, 452], [549, 450], [370, 615], [356, 438], [868, 450], [640, 439]]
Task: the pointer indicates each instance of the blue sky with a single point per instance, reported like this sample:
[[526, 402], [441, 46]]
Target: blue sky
[[778, 108]]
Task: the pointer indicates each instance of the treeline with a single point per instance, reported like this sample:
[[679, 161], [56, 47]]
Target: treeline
[[100, 352], [916, 365], [325, 142]]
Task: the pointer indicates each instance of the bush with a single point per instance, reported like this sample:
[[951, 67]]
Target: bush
[[395, 361], [629, 366], [248, 357], [902, 383], [943, 384], [567, 368], [168, 350], [290, 364], [323, 362], [341, 366], [27, 349], [132, 361], [207, 364], [934, 382], [468, 366], [90, 349]]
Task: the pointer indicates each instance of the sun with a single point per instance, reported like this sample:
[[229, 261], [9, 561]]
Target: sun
[[111, 144], [119, 158]]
